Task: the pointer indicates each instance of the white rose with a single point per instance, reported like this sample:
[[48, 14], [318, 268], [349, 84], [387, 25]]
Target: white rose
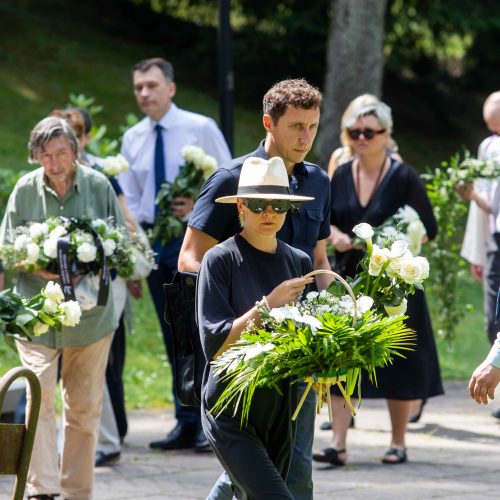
[[72, 313], [40, 328], [398, 249], [411, 271], [364, 304], [37, 229], [109, 247], [312, 295], [377, 260], [416, 231], [20, 243], [86, 252], [192, 154], [396, 310], [50, 248], [33, 252], [98, 223], [110, 166], [53, 292], [208, 165], [57, 232], [363, 231], [424, 263], [123, 163], [49, 306], [394, 267]]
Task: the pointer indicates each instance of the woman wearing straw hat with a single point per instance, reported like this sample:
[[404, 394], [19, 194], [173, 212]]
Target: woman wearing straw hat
[[251, 268]]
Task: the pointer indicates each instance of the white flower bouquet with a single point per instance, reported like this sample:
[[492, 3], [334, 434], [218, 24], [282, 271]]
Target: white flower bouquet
[[197, 168], [470, 169], [34, 247], [405, 225], [24, 318], [389, 273], [327, 339]]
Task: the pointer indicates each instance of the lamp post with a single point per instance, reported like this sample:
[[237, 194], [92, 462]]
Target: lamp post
[[225, 73]]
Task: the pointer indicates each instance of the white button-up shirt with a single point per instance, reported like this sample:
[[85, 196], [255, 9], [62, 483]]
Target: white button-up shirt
[[479, 224], [179, 128], [493, 357]]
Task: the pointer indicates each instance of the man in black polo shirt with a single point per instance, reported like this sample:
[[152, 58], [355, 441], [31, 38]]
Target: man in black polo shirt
[[291, 115]]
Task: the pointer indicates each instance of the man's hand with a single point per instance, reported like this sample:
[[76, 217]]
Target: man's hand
[[476, 272], [135, 288], [483, 382], [182, 206], [46, 275], [465, 189]]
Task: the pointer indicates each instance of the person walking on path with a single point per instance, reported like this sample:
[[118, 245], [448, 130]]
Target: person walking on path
[[291, 111], [235, 275], [63, 187], [153, 149], [481, 245], [371, 188]]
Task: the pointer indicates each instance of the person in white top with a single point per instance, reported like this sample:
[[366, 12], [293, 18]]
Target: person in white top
[[486, 376], [153, 149], [481, 246]]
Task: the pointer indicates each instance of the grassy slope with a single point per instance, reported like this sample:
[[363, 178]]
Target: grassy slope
[[44, 57]]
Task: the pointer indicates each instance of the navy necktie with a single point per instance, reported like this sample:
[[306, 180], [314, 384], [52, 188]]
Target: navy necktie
[[159, 158]]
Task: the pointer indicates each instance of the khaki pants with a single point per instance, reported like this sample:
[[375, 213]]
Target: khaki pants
[[82, 379]]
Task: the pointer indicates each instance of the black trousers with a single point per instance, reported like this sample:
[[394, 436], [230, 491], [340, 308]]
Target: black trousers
[[491, 286], [114, 378], [185, 415]]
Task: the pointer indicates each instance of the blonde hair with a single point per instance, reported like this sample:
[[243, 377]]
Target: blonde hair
[[366, 105]]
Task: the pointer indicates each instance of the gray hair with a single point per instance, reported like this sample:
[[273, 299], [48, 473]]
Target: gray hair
[[379, 110], [46, 130]]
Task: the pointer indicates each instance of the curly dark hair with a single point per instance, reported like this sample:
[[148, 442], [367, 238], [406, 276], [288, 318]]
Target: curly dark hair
[[297, 93]]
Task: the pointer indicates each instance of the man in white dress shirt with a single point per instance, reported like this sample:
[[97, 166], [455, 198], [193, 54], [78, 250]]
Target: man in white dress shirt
[[155, 145], [481, 246]]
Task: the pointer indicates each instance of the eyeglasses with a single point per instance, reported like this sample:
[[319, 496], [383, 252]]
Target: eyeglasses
[[368, 133], [258, 205]]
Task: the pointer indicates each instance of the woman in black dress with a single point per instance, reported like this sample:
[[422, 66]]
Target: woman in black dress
[[250, 268], [371, 188]]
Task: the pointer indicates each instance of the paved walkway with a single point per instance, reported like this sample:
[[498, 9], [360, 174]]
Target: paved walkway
[[454, 452]]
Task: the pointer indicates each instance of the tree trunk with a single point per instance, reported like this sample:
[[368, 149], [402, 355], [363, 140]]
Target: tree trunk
[[355, 61]]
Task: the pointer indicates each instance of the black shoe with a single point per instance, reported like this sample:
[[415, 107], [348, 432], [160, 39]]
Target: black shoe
[[329, 456], [106, 459], [179, 438], [416, 416], [43, 497], [496, 413], [201, 444]]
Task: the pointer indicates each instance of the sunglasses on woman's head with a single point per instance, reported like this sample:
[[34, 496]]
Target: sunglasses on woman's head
[[258, 205], [368, 133]]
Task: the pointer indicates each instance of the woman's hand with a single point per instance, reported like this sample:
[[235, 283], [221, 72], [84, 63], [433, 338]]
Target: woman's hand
[[287, 292], [342, 242]]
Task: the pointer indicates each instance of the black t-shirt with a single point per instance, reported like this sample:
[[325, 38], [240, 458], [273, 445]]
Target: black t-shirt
[[301, 230], [233, 276]]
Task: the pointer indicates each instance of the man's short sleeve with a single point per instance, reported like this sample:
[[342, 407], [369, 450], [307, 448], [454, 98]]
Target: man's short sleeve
[[218, 220]]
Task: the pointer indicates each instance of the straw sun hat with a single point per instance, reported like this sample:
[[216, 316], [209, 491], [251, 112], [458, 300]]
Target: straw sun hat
[[263, 179]]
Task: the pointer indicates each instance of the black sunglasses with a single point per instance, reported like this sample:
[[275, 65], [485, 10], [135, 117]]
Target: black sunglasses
[[368, 133], [258, 205]]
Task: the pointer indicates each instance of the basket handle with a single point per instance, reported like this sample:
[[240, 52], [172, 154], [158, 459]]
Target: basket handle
[[346, 286]]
